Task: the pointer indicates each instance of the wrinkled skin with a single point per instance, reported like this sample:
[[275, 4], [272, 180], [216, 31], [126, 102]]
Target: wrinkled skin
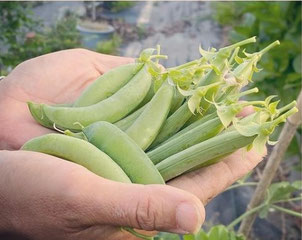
[[45, 197]]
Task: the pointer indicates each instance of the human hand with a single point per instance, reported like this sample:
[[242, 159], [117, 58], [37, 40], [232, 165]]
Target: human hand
[[44, 197], [27, 82], [58, 77]]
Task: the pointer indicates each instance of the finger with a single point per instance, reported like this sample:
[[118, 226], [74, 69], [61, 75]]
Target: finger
[[209, 181], [148, 207], [246, 111], [104, 62]]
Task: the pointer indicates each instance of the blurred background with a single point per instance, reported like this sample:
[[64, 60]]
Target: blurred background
[[30, 29]]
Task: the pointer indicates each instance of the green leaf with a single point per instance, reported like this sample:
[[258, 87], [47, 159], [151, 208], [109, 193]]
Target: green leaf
[[218, 232], [227, 113], [297, 64], [201, 235], [146, 54], [259, 143], [208, 55], [246, 129], [188, 237], [193, 103], [167, 236], [297, 184], [264, 211], [282, 191], [238, 59], [293, 77]]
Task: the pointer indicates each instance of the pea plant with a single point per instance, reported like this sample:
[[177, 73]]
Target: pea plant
[[281, 73], [281, 192]]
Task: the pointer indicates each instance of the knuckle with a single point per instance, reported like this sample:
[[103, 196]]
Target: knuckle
[[146, 213]]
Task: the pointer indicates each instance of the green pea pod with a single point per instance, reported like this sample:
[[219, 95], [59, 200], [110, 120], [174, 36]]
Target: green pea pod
[[124, 151], [36, 111], [146, 127], [107, 84], [110, 109], [78, 151], [177, 101], [215, 147], [196, 135], [126, 122], [173, 124]]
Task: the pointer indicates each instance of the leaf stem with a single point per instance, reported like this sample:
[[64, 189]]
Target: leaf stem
[[234, 55], [242, 185], [253, 103], [289, 200], [247, 213], [238, 44], [139, 235], [287, 107], [285, 115], [269, 47], [288, 211], [158, 56], [188, 64], [247, 92]]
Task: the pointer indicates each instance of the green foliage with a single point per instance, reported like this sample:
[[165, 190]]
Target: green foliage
[[23, 38], [110, 46], [279, 192], [167, 236], [270, 21], [117, 6], [217, 232]]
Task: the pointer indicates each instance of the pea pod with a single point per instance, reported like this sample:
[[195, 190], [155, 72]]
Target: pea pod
[[107, 84], [36, 111], [126, 122], [215, 147], [177, 101], [173, 124], [80, 152], [196, 135], [144, 130], [111, 109], [124, 151], [201, 121]]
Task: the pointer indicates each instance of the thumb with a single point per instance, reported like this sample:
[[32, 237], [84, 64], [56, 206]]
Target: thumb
[[147, 207]]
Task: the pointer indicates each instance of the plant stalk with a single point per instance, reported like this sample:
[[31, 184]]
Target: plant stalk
[[287, 133], [288, 211]]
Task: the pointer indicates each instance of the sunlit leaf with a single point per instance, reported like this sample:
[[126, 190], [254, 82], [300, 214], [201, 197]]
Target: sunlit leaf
[[146, 54], [282, 191], [259, 143]]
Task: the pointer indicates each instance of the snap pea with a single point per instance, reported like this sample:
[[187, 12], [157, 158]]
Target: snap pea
[[110, 109], [36, 111], [80, 152], [173, 124], [126, 122], [177, 101], [107, 84], [196, 135], [189, 158], [124, 151], [191, 126], [146, 127]]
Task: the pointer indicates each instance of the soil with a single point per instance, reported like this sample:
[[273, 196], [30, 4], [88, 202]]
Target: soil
[[97, 26]]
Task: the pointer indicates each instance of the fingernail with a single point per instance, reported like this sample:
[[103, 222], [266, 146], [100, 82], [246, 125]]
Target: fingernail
[[188, 218]]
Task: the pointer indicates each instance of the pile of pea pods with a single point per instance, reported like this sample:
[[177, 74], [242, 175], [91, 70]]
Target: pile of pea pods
[[146, 124]]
